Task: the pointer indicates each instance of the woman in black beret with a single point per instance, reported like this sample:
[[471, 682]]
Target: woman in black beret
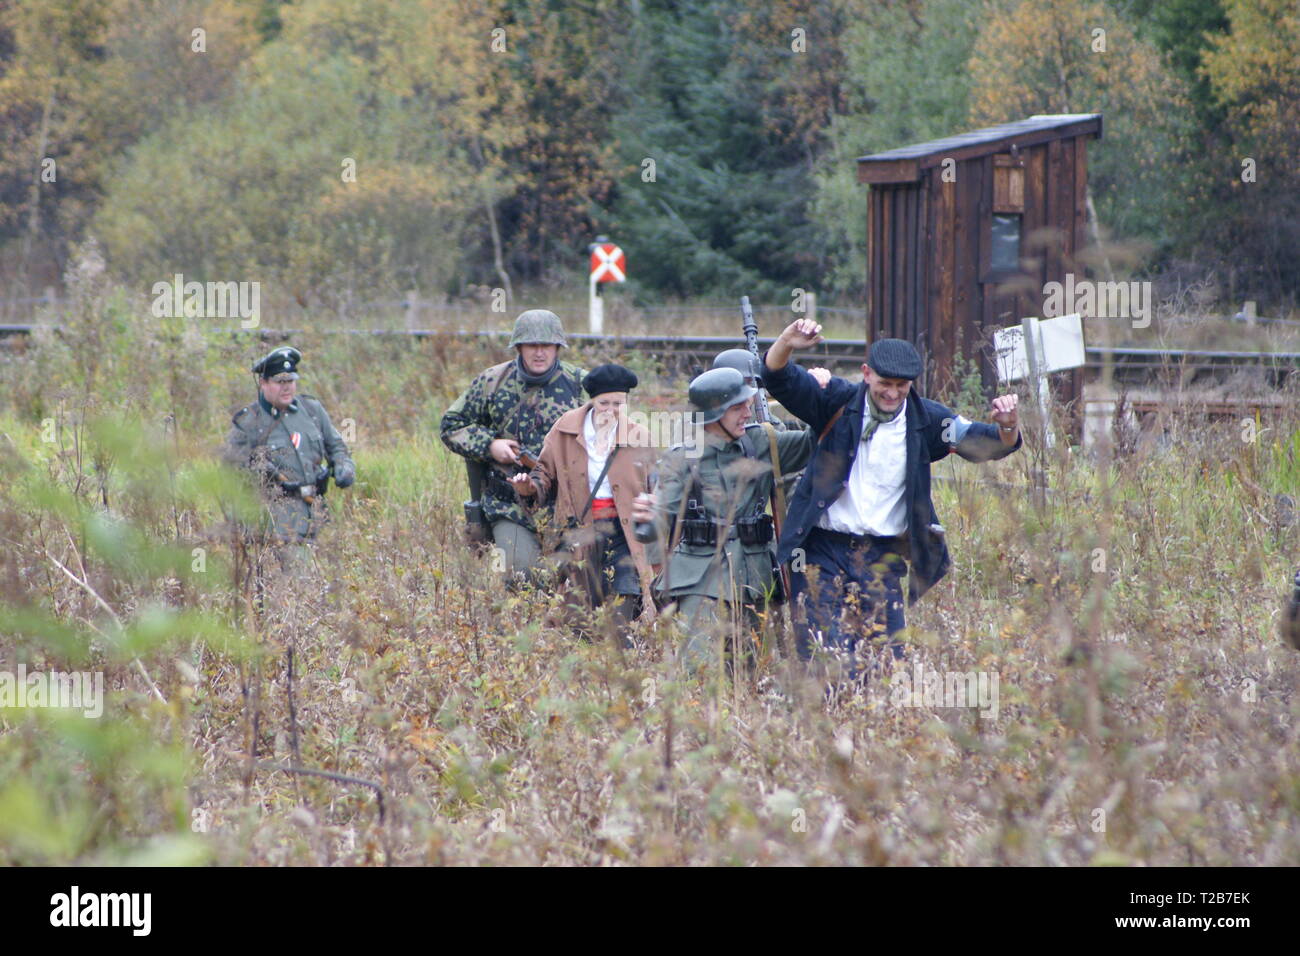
[[593, 465]]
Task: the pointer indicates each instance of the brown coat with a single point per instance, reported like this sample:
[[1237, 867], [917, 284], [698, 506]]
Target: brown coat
[[562, 471]]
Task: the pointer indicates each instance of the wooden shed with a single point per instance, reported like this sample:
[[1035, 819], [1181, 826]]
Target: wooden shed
[[963, 233]]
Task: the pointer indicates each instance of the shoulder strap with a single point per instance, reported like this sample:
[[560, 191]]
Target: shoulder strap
[[498, 375], [778, 492], [747, 445], [603, 472], [574, 378], [256, 442], [834, 418], [312, 414]]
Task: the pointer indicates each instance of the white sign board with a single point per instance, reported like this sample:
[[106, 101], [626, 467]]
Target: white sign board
[[1060, 347]]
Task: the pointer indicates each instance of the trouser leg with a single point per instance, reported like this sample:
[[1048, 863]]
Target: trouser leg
[[295, 558], [712, 626], [701, 620], [878, 572], [848, 595], [517, 551], [818, 609]]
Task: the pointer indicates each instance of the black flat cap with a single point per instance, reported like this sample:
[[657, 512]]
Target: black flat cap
[[609, 378], [894, 358], [284, 359]]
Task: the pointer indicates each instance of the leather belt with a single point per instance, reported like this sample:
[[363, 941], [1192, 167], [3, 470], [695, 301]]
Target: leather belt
[[855, 542]]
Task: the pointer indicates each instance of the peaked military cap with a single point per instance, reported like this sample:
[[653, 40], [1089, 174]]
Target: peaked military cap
[[894, 358], [279, 361]]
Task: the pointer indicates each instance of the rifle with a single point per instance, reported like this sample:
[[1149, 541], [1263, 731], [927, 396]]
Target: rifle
[[477, 531], [764, 416], [750, 327], [476, 527]]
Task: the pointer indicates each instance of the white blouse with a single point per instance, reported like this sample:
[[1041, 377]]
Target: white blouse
[[595, 460]]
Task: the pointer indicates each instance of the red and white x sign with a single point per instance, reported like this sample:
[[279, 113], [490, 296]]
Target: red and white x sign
[[608, 264]]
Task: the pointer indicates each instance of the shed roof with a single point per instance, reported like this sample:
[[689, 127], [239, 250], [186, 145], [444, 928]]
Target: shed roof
[[906, 163]]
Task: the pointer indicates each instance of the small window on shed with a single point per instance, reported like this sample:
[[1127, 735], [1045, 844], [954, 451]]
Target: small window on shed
[[1005, 250]]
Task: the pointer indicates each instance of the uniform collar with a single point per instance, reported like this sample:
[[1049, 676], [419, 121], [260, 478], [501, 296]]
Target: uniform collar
[[271, 409], [720, 442]]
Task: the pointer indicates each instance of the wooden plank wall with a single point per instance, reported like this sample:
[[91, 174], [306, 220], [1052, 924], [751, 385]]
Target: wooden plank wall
[[927, 251], [968, 305], [897, 290], [941, 277]]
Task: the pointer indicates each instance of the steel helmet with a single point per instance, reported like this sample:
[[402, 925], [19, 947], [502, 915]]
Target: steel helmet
[[538, 327], [713, 392], [742, 360]]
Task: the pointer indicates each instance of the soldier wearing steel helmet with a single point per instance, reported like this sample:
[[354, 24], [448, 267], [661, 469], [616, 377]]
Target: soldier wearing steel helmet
[[749, 366], [502, 419], [745, 362], [289, 442], [710, 502]]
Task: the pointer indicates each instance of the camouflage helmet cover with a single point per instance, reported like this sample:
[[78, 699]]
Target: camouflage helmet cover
[[538, 327], [717, 390]]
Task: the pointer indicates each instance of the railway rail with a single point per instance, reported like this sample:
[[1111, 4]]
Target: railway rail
[[1127, 363]]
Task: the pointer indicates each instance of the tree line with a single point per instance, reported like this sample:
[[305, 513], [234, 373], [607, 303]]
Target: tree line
[[340, 151]]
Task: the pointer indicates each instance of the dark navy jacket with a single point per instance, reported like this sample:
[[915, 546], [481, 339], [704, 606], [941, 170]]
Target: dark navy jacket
[[933, 430]]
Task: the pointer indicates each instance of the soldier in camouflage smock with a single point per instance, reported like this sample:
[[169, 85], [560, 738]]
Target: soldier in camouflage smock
[[288, 441], [505, 413]]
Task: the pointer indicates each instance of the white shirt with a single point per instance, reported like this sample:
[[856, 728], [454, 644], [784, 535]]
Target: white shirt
[[875, 499], [595, 461]]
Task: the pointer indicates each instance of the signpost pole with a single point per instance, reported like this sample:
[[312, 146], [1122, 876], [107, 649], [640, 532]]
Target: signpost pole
[[1037, 361], [595, 307]]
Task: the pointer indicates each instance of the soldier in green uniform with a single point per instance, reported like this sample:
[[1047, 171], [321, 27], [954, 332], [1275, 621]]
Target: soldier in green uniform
[[506, 412], [289, 443], [722, 563], [744, 362]]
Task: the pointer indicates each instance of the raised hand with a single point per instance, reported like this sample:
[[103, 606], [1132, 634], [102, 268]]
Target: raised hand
[[1005, 411], [802, 334]]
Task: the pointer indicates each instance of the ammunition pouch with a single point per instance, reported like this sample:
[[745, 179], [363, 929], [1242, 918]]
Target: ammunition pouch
[[755, 530], [699, 532]]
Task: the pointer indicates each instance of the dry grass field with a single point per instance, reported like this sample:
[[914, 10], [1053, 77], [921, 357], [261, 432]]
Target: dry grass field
[[1124, 607]]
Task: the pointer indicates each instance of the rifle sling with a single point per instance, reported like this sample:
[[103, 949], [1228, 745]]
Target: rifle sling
[[834, 418], [603, 472], [778, 492]]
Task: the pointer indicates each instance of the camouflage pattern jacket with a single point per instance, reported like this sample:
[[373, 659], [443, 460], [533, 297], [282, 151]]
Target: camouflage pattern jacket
[[290, 447], [500, 404]]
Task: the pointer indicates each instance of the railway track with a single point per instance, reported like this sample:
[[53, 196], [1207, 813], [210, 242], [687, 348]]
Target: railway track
[[1129, 363]]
